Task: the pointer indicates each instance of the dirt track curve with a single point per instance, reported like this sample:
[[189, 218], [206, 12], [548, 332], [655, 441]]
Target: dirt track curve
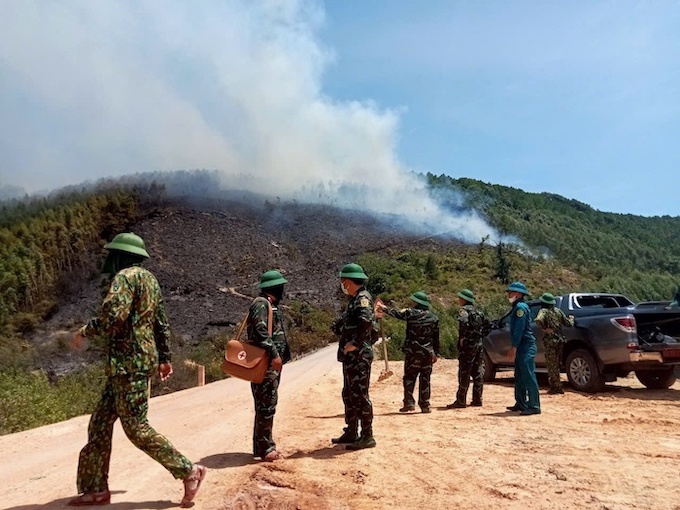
[[616, 450]]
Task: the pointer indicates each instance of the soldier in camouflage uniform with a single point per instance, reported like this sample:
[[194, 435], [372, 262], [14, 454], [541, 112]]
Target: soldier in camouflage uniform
[[356, 328], [551, 320], [265, 394], [421, 349], [133, 321], [472, 328]]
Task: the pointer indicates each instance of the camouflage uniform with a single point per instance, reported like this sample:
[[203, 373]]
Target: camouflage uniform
[[472, 328], [551, 320], [265, 394], [420, 348], [133, 319], [356, 326]]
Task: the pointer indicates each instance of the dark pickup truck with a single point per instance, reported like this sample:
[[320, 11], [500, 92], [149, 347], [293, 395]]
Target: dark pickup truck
[[612, 337]]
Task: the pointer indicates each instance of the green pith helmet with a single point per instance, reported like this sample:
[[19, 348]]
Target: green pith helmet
[[129, 243], [467, 295], [548, 298], [518, 287], [421, 298], [353, 271], [271, 278]]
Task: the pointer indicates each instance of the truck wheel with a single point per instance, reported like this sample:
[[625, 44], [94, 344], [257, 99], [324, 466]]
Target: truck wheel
[[489, 369], [657, 379], [583, 372]]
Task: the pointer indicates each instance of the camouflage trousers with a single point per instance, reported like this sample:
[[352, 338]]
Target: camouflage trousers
[[553, 358], [356, 371], [417, 366], [124, 397], [470, 365], [265, 397]]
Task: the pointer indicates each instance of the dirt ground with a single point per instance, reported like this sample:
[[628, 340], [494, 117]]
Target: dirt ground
[[616, 450]]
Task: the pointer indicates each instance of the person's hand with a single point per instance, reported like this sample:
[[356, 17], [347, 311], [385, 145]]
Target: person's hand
[[77, 341], [277, 363], [434, 358], [165, 371], [512, 352], [349, 348]]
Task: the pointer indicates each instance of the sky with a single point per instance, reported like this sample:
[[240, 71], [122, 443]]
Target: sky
[[329, 100]]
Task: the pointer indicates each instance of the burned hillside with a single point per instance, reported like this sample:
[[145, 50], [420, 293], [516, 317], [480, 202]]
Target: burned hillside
[[208, 255]]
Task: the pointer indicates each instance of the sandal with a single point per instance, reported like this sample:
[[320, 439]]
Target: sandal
[[272, 456], [91, 499], [192, 483]]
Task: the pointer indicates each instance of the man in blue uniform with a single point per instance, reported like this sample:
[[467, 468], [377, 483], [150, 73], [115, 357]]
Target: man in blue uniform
[[523, 349]]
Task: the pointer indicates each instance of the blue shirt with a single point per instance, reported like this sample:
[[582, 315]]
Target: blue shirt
[[520, 325]]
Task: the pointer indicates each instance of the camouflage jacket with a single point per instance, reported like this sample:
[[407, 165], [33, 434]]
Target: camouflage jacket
[[133, 319], [472, 327], [356, 325], [422, 331], [258, 332], [551, 320]]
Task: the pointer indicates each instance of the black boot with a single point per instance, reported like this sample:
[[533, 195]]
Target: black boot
[[347, 437], [361, 443]]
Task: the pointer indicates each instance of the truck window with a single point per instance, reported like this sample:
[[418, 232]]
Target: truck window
[[533, 311], [595, 301]]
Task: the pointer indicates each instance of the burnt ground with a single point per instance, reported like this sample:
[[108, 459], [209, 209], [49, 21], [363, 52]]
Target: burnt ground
[[207, 252]]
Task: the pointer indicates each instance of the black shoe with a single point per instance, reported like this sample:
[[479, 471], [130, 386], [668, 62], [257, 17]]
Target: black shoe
[[476, 403], [528, 412], [407, 409], [345, 438], [514, 408], [363, 442], [559, 391], [425, 410], [456, 405]]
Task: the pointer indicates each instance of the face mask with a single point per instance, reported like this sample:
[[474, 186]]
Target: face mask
[[344, 290], [511, 300]]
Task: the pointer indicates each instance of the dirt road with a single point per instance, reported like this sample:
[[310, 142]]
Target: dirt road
[[616, 450]]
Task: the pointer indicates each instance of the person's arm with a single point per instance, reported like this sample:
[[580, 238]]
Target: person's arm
[[521, 321], [540, 318], [115, 311], [566, 321], [161, 330], [398, 314], [435, 340], [259, 318]]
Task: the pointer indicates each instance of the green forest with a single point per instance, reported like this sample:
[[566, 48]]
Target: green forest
[[550, 242]]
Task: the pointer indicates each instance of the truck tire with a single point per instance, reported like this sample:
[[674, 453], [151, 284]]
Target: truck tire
[[657, 379], [583, 372], [489, 369]]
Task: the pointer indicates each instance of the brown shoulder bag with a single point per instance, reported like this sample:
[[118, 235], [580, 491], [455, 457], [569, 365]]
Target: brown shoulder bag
[[246, 361]]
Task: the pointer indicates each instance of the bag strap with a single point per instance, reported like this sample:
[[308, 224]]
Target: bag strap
[[270, 320], [242, 327], [270, 316]]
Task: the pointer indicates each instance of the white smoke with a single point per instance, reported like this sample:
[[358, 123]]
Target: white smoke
[[116, 87]]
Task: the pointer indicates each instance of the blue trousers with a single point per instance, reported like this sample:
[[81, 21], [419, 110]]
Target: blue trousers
[[526, 385]]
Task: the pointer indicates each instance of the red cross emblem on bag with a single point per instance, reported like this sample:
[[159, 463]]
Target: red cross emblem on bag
[[242, 355]]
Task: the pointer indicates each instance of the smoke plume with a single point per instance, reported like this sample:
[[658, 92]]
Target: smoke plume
[[107, 88]]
